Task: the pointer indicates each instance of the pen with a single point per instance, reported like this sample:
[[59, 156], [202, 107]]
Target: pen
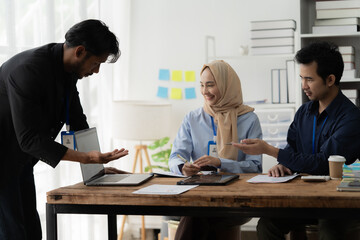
[[228, 143], [183, 159]]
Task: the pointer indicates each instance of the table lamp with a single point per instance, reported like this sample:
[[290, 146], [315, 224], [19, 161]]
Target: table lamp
[[140, 121]]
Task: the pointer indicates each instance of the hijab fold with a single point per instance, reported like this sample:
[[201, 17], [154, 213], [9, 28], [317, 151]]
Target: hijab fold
[[227, 109]]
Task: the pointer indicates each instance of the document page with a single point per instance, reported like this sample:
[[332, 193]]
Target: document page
[[164, 189], [264, 178]]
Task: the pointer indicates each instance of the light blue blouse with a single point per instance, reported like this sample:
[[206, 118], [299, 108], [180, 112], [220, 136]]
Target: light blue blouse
[[195, 133]]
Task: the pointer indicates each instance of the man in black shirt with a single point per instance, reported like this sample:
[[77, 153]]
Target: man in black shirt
[[37, 95]]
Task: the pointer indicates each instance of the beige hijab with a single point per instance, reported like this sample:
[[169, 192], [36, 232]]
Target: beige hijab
[[228, 108]]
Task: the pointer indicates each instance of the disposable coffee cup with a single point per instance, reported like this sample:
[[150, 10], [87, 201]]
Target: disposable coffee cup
[[336, 163]]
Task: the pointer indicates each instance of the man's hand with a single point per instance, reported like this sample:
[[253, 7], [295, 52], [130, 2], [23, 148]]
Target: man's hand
[[98, 157], [94, 156], [190, 169], [279, 171], [208, 161], [256, 147]]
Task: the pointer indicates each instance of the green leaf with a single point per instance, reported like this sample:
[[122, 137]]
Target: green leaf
[[163, 141], [154, 145], [162, 156]]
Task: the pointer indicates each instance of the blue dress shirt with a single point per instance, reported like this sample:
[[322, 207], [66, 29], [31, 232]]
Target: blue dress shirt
[[195, 133], [337, 132]]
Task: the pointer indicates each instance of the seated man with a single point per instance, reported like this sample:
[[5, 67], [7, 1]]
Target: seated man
[[326, 125]]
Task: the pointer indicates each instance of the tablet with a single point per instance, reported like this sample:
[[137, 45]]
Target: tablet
[[212, 180]]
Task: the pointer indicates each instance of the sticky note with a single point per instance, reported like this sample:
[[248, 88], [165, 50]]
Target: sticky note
[[164, 74], [162, 92], [176, 75], [189, 76], [175, 93], [190, 93]]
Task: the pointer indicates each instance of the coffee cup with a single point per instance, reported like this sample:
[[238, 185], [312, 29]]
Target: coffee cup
[[336, 163]]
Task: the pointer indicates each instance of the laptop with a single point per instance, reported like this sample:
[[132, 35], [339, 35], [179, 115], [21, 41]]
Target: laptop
[[94, 174], [211, 180]]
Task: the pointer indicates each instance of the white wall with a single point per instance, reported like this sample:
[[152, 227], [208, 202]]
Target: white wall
[[171, 34]]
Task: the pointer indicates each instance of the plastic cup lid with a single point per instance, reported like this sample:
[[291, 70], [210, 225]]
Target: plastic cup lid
[[336, 158]]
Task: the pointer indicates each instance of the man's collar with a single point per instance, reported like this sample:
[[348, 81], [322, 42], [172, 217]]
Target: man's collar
[[313, 107]]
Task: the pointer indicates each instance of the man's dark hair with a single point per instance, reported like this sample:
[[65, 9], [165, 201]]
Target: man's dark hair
[[95, 36], [326, 55]]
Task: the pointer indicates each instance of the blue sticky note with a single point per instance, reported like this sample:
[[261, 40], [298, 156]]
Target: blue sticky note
[[190, 93], [162, 92], [164, 74]]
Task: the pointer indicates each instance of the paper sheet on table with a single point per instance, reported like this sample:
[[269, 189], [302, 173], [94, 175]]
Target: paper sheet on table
[[264, 178], [164, 189]]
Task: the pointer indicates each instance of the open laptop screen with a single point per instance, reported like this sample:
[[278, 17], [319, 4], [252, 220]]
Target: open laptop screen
[[86, 141]]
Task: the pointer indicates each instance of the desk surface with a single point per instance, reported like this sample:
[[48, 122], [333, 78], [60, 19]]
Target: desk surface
[[238, 194]]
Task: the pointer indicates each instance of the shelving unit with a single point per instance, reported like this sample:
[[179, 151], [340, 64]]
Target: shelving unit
[[307, 19]]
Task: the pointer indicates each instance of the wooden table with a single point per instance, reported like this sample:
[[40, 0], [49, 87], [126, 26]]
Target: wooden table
[[295, 199]]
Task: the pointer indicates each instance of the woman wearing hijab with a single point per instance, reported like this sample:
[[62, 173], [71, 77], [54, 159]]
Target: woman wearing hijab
[[203, 137]]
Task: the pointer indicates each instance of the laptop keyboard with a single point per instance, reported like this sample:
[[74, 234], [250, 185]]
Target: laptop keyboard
[[114, 178]]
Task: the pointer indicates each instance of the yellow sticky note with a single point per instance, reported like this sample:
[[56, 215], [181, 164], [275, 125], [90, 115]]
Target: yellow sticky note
[[189, 76], [176, 75], [175, 93]]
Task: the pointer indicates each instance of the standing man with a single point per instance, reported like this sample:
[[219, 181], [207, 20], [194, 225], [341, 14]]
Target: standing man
[[38, 95], [326, 125]]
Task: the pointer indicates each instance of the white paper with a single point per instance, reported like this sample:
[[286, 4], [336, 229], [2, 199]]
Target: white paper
[[164, 189], [264, 178]]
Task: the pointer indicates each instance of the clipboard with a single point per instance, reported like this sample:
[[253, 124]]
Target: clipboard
[[210, 180]]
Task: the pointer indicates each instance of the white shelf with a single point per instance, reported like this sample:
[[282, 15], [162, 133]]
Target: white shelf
[[310, 35]]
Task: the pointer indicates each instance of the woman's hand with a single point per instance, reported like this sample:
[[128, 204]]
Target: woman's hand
[[208, 161], [190, 169]]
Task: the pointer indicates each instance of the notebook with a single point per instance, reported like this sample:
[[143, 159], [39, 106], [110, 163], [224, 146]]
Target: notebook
[[213, 180], [94, 174]]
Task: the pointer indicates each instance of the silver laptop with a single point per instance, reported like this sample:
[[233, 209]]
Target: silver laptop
[[94, 174]]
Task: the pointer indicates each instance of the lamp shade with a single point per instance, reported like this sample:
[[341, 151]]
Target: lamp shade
[[141, 120]]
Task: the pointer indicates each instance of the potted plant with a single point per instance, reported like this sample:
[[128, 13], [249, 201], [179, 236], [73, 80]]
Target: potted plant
[[161, 156]]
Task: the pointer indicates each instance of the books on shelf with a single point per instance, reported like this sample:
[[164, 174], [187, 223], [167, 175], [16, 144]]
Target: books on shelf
[[271, 42], [272, 33], [272, 37], [275, 86], [272, 50], [337, 4], [346, 50], [291, 78], [348, 57], [337, 21], [335, 29], [280, 85], [352, 95], [273, 24], [349, 75], [349, 65], [337, 13]]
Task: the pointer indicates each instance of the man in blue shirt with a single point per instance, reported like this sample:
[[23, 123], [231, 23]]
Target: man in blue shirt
[[326, 125]]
